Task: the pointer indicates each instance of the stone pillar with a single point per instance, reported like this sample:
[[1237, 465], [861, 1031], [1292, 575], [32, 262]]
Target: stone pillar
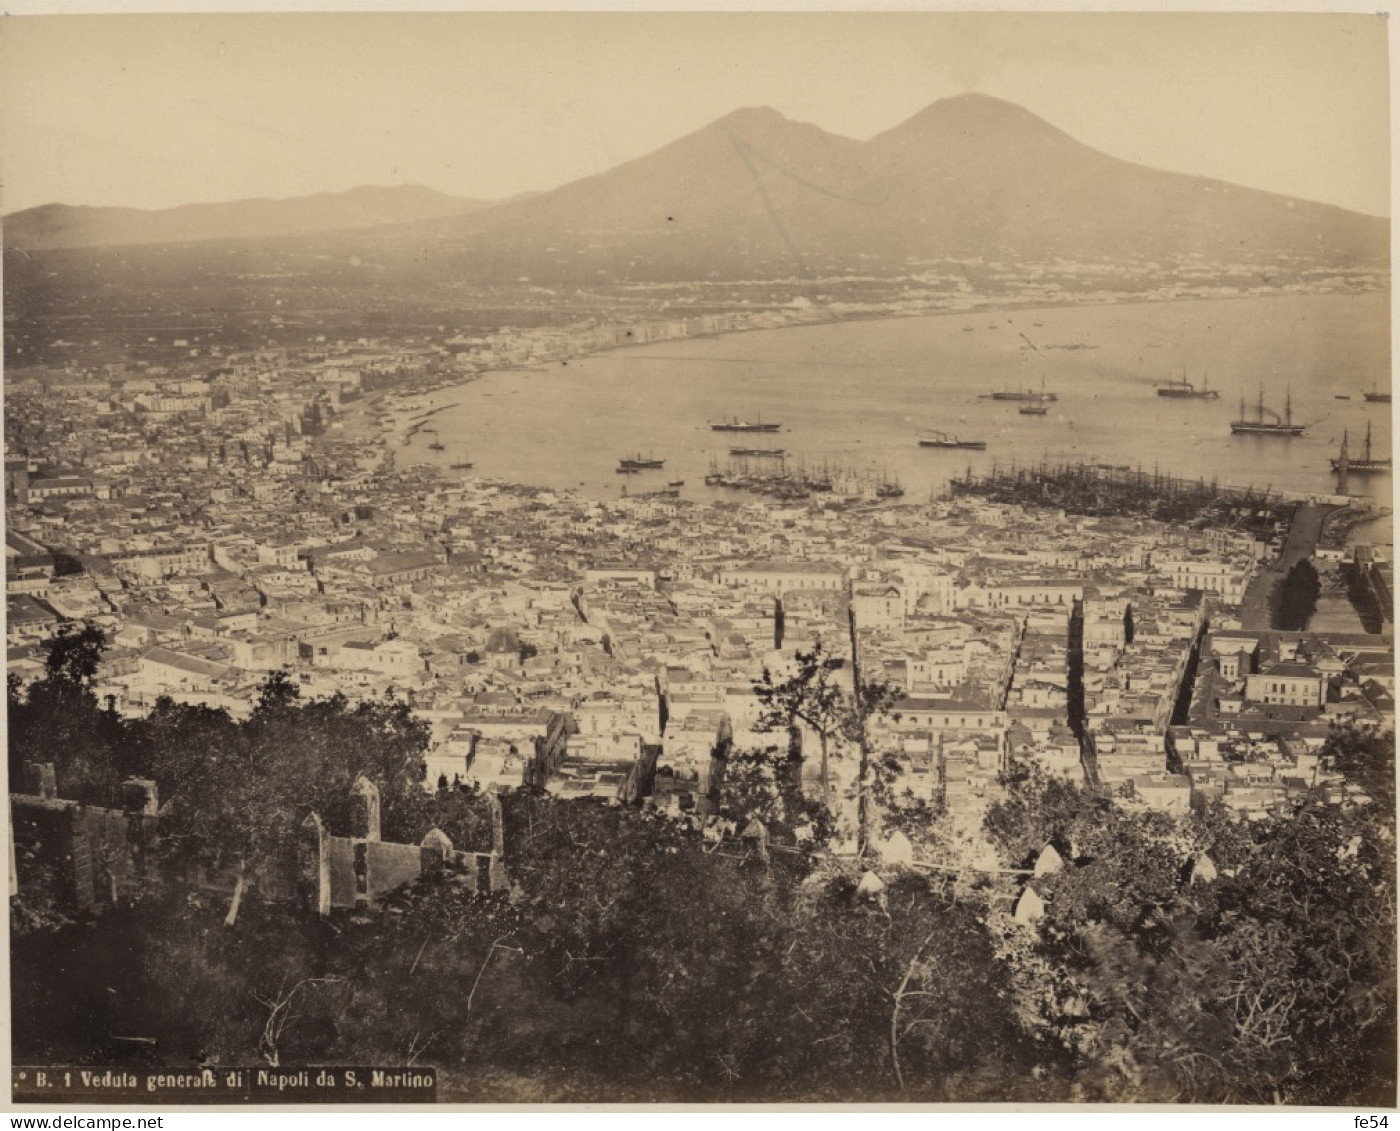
[[320, 864], [366, 809], [79, 854]]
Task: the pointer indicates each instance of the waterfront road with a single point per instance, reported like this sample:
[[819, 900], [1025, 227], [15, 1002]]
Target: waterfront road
[[1300, 543]]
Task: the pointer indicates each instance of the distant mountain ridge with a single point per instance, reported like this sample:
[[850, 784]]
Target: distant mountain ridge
[[969, 176], [756, 195], [64, 225]]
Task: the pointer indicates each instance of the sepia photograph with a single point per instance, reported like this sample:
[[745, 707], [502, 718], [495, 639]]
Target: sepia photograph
[[694, 558]]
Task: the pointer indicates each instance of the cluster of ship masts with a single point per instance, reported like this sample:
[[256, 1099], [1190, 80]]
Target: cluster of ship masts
[[781, 479], [1107, 489]]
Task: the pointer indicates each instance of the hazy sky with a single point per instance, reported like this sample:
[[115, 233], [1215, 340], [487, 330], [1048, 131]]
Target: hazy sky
[[154, 111]]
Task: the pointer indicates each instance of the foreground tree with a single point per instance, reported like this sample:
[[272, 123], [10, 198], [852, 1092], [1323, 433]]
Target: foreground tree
[[1205, 958], [1209, 959], [1365, 753], [241, 791], [811, 695], [59, 720]]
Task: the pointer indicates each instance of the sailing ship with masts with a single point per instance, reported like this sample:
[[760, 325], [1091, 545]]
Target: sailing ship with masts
[[1260, 426], [1363, 463], [889, 488]]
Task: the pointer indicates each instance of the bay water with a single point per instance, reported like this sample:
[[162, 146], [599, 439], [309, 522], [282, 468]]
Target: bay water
[[857, 395]]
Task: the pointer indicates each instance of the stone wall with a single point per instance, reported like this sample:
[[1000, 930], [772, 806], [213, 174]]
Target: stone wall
[[359, 870], [83, 857], [80, 856]]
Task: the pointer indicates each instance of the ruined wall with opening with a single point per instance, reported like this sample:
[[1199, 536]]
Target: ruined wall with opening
[[83, 858]]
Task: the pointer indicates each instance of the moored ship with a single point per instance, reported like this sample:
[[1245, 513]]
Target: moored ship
[[1279, 426], [1362, 464], [639, 462], [1185, 390], [734, 424], [767, 453], [943, 440], [1035, 396]]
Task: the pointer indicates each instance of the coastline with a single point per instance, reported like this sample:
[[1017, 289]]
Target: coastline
[[907, 315], [411, 410]]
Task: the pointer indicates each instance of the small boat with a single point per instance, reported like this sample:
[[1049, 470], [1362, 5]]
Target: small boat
[[462, 465], [765, 453], [1033, 410], [676, 483], [437, 446], [1342, 397], [943, 440], [628, 470]]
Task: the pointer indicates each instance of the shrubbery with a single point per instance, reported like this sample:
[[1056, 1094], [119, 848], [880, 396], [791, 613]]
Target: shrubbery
[[1204, 959]]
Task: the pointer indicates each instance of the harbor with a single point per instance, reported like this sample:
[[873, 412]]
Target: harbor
[[878, 401]]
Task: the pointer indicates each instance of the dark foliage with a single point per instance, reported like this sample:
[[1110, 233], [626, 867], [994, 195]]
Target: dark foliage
[[60, 721], [1266, 976], [635, 959]]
